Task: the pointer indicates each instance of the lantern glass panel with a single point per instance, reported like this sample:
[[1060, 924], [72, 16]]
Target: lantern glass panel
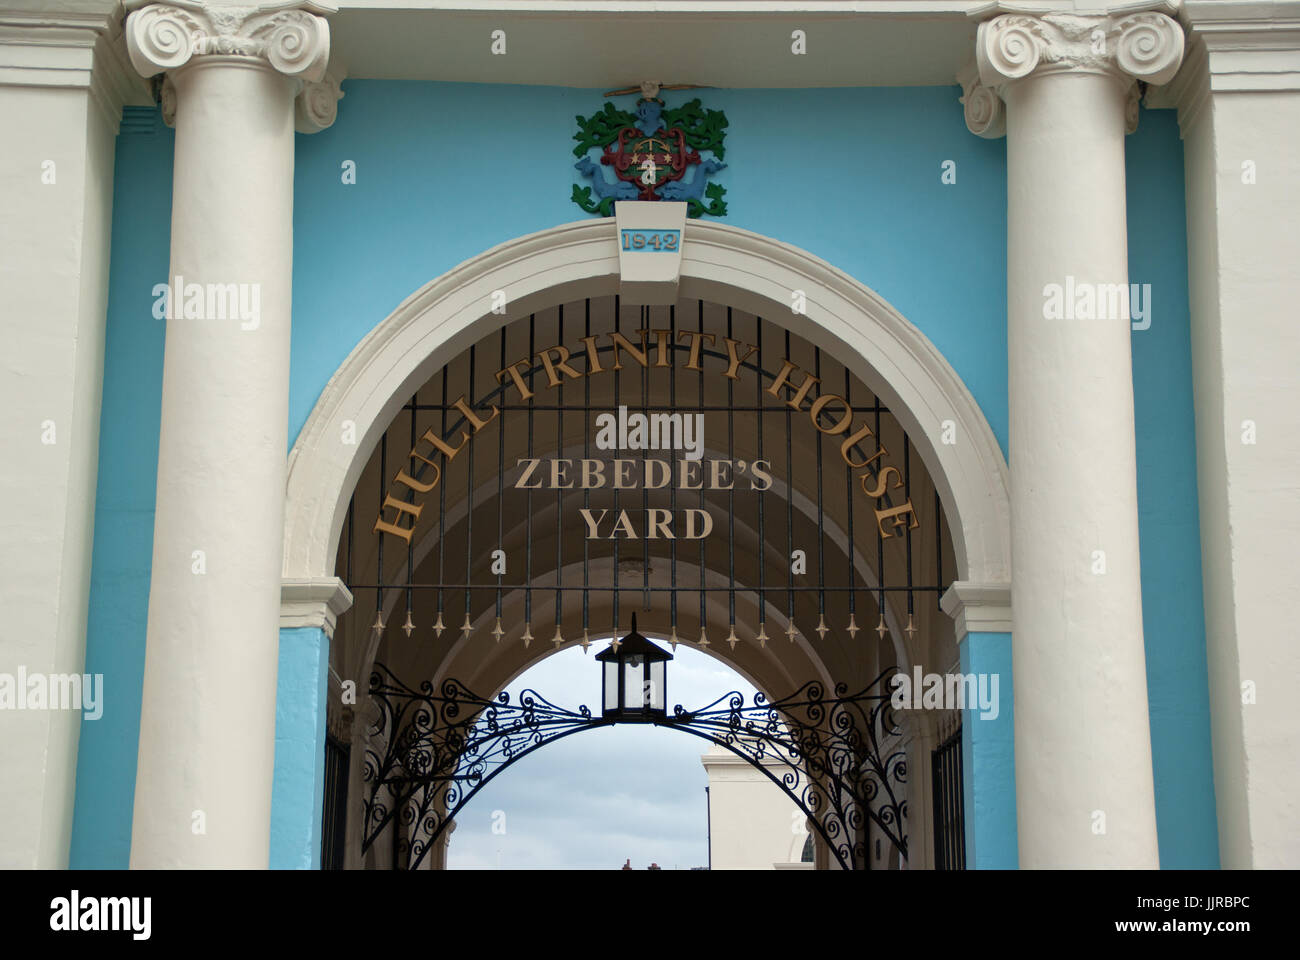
[[658, 691], [634, 683], [611, 684]]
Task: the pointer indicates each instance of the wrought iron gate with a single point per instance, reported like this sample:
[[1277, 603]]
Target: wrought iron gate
[[443, 747], [333, 828], [949, 807]]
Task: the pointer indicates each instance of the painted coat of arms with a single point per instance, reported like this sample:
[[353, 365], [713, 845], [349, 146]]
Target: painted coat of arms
[[652, 154]]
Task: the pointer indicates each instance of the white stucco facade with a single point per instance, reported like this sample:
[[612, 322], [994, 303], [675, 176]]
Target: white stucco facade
[[753, 824]]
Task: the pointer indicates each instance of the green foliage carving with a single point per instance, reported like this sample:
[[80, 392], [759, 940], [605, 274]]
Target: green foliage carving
[[716, 207], [582, 197], [704, 129], [603, 127]]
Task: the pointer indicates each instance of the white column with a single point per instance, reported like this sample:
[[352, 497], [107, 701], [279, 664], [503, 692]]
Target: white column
[[207, 732], [1084, 785], [1238, 104], [62, 87]]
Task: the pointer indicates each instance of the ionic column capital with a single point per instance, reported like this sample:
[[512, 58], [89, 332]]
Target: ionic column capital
[[289, 36], [1145, 46]]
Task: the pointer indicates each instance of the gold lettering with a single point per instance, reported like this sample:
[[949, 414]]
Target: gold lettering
[[402, 507], [472, 417], [851, 441], [591, 524], [706, 526], [894, 514], [781, 379], [621, 342], [441, 444], [662, 340], [593, 356], [815, 412], [693, 360], [513, 372], [623, 475], [522, 483], [562, 353], [590, 469], [658, 519], [882, 478], [559, 475], [688, 470], [624, 523], [734, 362], [664, 472], [414, 484], [716, 468]]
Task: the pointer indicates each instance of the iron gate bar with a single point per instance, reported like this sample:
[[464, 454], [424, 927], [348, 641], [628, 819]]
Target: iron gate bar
[[441, 749], [469, 509], [703, 506], [410, 546], [848, 499], [528, 535], [383, 472], [672, 493], [789, 513], [762, 496], [907, 492], [618, 399], [586, 493], [731, 500], [442, 509], [501, 479], [559, 501], [645, 493], [821, 517]]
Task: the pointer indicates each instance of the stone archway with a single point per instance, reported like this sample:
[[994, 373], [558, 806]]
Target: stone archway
[[720, 263], [445, 319]]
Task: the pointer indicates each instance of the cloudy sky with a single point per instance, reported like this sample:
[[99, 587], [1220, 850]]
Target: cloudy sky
[[603, 796]]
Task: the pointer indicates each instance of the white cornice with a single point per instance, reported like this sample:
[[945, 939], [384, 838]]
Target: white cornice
[[313, 602], [1249, 45], [77, 49], [1233, 47], [978, 607]]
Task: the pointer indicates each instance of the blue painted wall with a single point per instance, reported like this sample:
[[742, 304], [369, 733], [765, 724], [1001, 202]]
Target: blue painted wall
[[298, 792], [446, 171], [1173, 614], [988, 758], [124, 503]]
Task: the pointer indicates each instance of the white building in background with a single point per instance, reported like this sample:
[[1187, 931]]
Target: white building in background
[[753, 824]]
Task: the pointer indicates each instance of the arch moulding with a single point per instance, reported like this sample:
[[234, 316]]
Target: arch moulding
[[720, 263]]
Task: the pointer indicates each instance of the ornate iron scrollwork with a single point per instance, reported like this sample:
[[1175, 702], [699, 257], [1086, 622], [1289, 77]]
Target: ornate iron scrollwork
[[440, 749]]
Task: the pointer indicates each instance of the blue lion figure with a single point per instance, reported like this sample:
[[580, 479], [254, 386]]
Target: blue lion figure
[[677, 190], [619, 189]]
